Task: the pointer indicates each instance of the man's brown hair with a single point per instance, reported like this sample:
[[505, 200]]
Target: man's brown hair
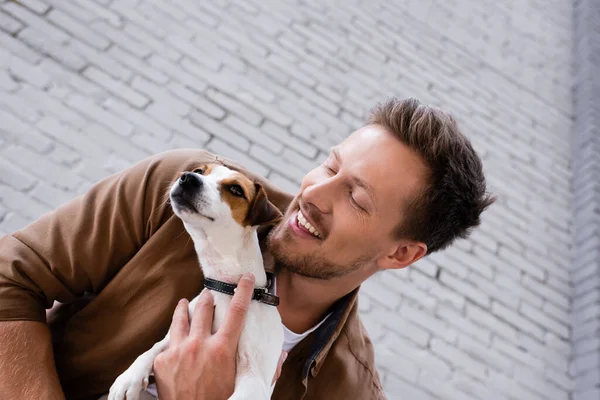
[[455, 193]]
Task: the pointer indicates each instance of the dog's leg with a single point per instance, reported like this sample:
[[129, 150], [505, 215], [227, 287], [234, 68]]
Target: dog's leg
[[135, 378], [249, 387]]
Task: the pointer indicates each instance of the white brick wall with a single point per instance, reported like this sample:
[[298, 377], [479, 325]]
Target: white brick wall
[[87, 88]]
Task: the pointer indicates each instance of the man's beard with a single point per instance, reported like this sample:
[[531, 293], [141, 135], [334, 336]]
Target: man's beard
[[314, 265]]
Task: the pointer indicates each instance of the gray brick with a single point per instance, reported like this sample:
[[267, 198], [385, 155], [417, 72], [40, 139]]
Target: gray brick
[[100, 115], [220, 130], [9, 24], [14, 222], [124, 41], [7, 83], [51, 106], [117, 88], [197, 101], [138, 118], [188, 49], [139, 66], [73, 9], [18, 48], [458, 358], [148, 143], [50, 195], [547, 292], [33, 163], [485, 318], [121, 149], [224, 149], [99, 11], [22, 203], [520, 355], [463, 325], [284, 183], [469, 291], [57, 51], [519, 322], [485, 355], [143, 35], [252, 133], [281, 135], [400, 365], [493, 290], [71, 138], [160, 95], [269, 111], [15, 177], [28, 73], [64, 156], [22, 132], [277, 163], [77, 29], [428, 322], [175, 122], [542, 319], [409, 331], [30, 19], [19, 107], [240, 109], [380, 294], [35, 5]]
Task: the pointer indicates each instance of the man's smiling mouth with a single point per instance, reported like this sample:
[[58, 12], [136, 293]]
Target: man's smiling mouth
[[306, 225]]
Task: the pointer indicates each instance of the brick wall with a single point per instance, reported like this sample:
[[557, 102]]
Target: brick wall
[[586, 261], [87, 88]]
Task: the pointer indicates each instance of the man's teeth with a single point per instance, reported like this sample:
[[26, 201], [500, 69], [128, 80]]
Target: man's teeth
[[302, 221]]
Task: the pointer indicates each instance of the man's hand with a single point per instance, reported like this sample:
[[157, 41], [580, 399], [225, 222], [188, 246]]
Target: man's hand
[[198, 364]]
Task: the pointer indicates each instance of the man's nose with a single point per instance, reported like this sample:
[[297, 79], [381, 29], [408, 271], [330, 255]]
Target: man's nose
[[190, 181], [320, 196]]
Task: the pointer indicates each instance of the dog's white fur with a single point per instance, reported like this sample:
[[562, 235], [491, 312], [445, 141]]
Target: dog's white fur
[[226, 250]]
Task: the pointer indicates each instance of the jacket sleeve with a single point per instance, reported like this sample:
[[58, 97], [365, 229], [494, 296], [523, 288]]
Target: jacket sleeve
[[78, 247]]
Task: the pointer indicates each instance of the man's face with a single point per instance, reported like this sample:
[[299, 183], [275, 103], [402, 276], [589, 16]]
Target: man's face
[[353, 202]]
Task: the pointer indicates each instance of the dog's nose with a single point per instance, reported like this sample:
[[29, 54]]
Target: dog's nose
[[190, 180]]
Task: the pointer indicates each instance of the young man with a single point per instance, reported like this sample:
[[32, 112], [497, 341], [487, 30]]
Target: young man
[[403, 186]]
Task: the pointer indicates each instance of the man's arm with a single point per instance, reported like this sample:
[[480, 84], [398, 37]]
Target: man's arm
[[26, 356], [75, 249]]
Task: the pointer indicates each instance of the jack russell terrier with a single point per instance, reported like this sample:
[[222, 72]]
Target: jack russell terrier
[[221, 209]]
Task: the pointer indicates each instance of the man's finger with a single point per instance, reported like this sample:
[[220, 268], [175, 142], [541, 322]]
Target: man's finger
[[203, 315], [233, 323], [180, 326]]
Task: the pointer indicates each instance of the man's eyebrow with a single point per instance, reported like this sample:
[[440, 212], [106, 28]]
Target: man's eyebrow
[[335, 153], [359, 182]]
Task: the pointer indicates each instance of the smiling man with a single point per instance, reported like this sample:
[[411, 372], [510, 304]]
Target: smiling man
[[405, 185]]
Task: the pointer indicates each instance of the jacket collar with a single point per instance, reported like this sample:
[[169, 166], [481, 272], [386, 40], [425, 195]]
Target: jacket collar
[[328, 332]]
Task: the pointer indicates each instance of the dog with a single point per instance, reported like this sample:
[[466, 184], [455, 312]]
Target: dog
[[221, 210]]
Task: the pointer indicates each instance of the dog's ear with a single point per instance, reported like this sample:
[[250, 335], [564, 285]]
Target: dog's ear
[[262, 211]]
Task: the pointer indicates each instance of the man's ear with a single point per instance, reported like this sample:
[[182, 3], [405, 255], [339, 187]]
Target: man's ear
[[262, 211], [403, 255]]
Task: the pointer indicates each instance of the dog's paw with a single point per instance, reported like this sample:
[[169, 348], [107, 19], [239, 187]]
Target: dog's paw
[[129, 384]]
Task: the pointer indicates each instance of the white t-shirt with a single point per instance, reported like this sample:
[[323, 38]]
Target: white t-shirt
[[291, 339]]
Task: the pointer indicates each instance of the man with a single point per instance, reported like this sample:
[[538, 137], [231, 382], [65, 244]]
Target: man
[[405, 185]]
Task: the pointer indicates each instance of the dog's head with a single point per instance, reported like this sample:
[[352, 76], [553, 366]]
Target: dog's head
[[216, 197]]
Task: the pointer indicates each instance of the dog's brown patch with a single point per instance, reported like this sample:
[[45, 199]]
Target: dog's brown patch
[[206, 168], [240, 206]]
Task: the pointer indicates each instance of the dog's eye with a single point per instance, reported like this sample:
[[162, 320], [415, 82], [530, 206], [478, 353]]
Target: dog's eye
[[236, 190], [199, 171]]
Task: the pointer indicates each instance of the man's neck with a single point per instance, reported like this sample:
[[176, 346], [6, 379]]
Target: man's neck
[[304, 302]]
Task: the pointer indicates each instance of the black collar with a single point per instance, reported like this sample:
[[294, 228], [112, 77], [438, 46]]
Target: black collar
[[260, 294]]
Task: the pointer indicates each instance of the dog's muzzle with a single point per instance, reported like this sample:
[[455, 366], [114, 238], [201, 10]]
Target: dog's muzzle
[[190, 182]]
